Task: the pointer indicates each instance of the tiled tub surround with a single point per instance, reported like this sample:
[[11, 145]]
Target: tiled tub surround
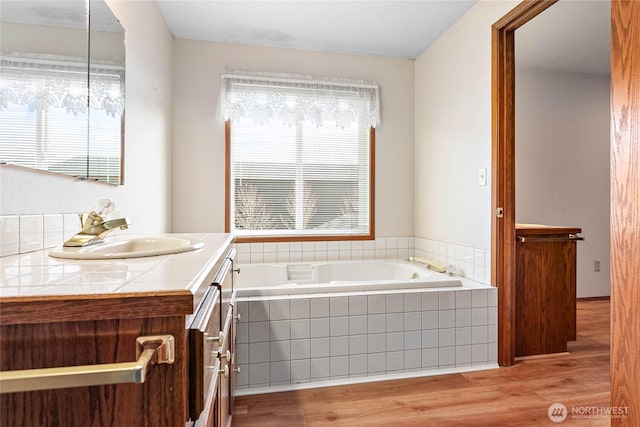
[[298, 341], [472, 263]]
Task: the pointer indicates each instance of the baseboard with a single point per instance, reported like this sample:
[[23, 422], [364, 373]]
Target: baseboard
[[604, 298]]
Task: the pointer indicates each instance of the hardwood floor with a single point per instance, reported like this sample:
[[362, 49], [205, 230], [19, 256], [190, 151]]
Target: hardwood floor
[[519, 395]]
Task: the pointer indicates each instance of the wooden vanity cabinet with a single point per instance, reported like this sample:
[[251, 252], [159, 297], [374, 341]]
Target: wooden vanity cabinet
[[545, 288], [92, 330]]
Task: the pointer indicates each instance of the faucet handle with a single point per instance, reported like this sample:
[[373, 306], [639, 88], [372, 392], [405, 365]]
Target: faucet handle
[[81, 216]]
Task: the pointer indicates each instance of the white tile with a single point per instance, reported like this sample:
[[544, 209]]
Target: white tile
[[413, 321], [369, 254], [412, 302], [430, 301], [258, 311], [280, 372], [395, 322], [339, 346], [257, 257], [376, 362], [295, 256], [380, 254], [319, 307], [31, 233], [270, 247], [380, 243], [270, 257], [463, 317], [478, 274], [376, 343], [369, 245], [478, 257], [259, 374], [357, 254], [479, 316], [357, 344], [430, 319], [321, 246], [463, 336], [258, 332], [308, 247], [279, 309], [395, 361], [446, 337], [395, 303], [446, 300], [257, 247], [429, 338], [242, 248], [492, 333], [339, 306], [392, 253], [339, 366], [479, 298], [300, 328], [492, 352], [339, 326], [320, 327], [308, 256], [412, 359], [242, 354], [320, 347], [358, 364], [333, 246], [345, 255], [282, 247], [320, 256], [300, 349], [333, 255], [479, 334], [53, 230], [299, 308], [446, 356], [492, 315], [463, 355], [403, 243], [242, 333], [243, 311], [280, 350], [357, 305], [357, 325], [279, 330], [492, 299], [392, 243], [345, 245], [320, 367], [243, 376], [430, 358], [376, 304], [300, 370], [282, 256], [9, 235], [479, 353], [376, 323], [71, 225], [468, 270], [442, 249], [463, 299], [259, 352], [395, 341], [446, 318], [412, 340]]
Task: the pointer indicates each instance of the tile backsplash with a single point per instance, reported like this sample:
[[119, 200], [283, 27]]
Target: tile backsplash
[[26, 233]]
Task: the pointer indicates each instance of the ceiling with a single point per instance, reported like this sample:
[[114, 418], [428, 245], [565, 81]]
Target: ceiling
[[555, 40], [397, 28]]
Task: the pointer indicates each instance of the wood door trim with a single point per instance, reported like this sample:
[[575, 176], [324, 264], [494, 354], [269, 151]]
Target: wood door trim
[[503, 242]]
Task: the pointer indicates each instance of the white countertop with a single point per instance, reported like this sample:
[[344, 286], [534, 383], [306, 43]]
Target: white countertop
[[35, 274]]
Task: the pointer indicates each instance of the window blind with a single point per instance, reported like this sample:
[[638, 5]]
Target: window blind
[[300, 158]]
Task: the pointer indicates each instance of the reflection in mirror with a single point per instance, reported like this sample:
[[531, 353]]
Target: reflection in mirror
[[54, 114]]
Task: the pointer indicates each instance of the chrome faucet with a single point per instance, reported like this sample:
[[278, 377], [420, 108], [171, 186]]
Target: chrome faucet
[[95, 229]]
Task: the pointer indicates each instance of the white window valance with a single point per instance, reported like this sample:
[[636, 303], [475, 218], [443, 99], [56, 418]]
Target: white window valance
[[42, 82], [292, 99]]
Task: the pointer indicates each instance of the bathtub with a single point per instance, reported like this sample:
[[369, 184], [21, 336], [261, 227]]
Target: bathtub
[[305, 325], [339, 276]]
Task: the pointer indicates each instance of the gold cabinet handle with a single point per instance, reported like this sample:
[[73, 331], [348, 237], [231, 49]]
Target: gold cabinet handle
[[225, 355], [151, 350], [219, 339]]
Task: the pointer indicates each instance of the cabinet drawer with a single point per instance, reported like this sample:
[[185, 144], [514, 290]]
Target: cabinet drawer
[[204, 344]]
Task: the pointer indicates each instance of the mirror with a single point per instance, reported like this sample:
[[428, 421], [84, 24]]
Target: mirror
[[62, 80]]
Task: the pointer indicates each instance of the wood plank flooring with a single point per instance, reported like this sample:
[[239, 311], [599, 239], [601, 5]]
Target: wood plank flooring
[[519, 395]]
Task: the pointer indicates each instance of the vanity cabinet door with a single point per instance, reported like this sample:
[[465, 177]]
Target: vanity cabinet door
[[226, 374]]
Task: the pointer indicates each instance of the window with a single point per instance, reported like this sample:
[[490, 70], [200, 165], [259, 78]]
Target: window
[[300, 157], [49, 115]]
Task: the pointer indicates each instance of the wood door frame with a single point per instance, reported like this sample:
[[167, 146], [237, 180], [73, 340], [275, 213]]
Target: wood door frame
[[503, 239]]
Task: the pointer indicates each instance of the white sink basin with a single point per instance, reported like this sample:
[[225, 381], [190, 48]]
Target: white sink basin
[[129, 247]]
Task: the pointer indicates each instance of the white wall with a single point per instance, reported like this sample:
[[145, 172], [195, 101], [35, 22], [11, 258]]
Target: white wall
[[562, 162], [198, 133], [453, 130], [145, 196]]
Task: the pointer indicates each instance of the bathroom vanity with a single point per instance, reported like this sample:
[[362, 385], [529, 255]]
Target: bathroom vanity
[[145, 341]]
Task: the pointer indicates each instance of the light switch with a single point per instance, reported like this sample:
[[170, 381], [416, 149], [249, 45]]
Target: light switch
[[482, 177]]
